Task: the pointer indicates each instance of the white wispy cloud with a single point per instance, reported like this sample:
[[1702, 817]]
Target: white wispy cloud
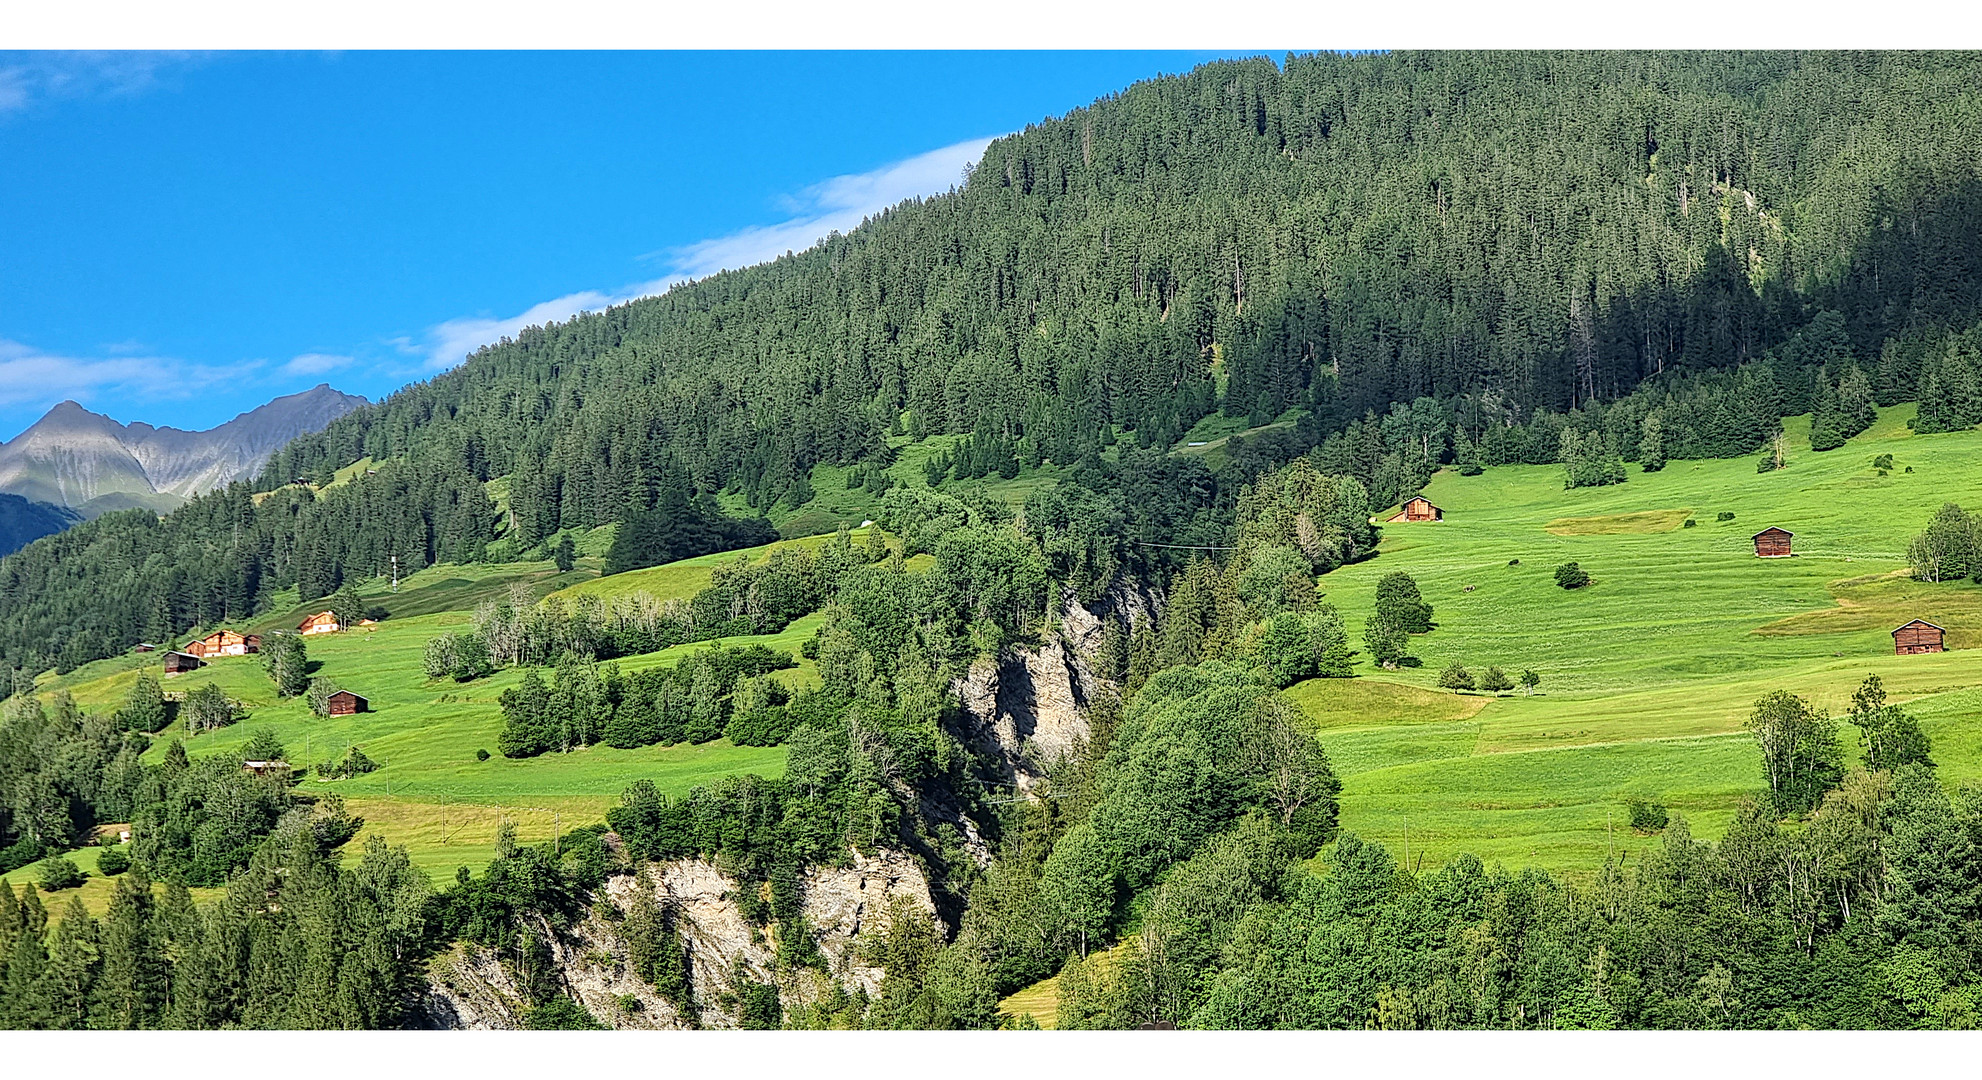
[[835, 205], [30, 378], [30, 77], [315, 363]]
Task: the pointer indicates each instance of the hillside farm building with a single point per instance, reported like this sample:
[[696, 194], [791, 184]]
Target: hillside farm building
[[346, 703], [225, 643], [1918, 636], [1772, 543], [178, 662], [267, 768], [323, 622], [1418, 508]]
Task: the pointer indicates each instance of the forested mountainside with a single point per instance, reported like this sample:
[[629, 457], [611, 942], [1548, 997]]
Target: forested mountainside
[[1409, 247]]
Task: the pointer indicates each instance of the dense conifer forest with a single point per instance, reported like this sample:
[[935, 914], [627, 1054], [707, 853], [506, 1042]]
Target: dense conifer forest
[[1602, 261], [1504, 244]]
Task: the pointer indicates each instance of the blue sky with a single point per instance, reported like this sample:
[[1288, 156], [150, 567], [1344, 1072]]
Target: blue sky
[[188, 236]]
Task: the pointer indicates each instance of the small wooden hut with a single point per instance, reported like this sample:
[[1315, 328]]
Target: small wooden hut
[[346, 703], [323, 622], [178, 662], [1418, 508], [1918, 636], [1772, 543], [268, 768]]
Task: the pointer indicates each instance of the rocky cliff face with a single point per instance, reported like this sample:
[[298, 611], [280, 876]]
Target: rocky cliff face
[[845, 907], [1027, 708], [88, 462]]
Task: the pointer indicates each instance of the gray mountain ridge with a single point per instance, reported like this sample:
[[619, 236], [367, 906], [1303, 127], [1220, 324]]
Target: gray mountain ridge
[[91, 464]]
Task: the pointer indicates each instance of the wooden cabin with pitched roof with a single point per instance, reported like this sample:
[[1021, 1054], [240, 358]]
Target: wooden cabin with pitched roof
[[225, 643], [1772, 543], [1417, 508], [323, 622], [1918, 636]]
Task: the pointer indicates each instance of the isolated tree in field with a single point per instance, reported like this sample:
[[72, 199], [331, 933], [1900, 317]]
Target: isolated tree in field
[[1891, 737], [1398, 600], [263, 746], [1571, 576], [1946, 551], [144, 707], [1800, 754], [1495, 680], [1530, 680], [1386, 641], [344, 604], [565, 555], [288, 662], [319, 693], [207, 708], [1456, 677]]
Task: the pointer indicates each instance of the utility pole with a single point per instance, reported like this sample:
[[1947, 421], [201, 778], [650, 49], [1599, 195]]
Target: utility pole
[[395, 572]]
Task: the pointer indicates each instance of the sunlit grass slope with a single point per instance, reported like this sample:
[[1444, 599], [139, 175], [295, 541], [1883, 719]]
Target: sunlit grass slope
[[433, 794], [1648, 673]]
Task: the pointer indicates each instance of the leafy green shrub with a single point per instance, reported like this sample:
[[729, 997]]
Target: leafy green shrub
[[1513, 562], [1688, 524], [481, 755], [113, 861], [1647, 817], [1724, 515], [1883, 461], [1456, 677], [561, 1014], [1571, 576], [355, 763], [58, 874]]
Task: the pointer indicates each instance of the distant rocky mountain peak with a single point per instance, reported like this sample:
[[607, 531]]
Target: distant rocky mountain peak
[[89, 463]]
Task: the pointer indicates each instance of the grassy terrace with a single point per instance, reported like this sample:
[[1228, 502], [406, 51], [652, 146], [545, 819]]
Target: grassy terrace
[[1649, 672]]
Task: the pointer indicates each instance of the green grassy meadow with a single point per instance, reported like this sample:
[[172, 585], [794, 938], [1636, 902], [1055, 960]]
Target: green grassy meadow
[[432, 794], [1648, 673]]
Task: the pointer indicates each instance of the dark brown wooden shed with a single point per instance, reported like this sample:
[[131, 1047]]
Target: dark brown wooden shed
[[177, 662], [1918, 636], [1772, 543], [1418, 508], [345, 703]]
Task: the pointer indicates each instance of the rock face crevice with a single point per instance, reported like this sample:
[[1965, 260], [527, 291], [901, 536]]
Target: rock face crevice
[[1026, 708], [845, 908]]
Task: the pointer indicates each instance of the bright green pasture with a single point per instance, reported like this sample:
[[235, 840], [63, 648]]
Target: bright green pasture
[[432, 794], [1648, 673]]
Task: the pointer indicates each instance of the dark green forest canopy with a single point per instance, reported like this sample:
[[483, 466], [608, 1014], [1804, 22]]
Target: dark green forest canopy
[[1506, 237], [1540, 227]]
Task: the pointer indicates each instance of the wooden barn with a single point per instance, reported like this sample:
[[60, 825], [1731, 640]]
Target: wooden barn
[[1918, 636], [1772, 543], [268, 768], [143, 646], [226, 643], [323, 622], [1418, 508], [346, 703], [177, 662]]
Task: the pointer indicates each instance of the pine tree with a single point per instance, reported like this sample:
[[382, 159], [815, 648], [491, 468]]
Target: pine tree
[[144, 707], [135, 977]]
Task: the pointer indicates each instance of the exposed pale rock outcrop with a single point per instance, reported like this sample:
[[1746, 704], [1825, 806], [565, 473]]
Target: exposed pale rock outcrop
[[1026, 708], [844, 906]]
